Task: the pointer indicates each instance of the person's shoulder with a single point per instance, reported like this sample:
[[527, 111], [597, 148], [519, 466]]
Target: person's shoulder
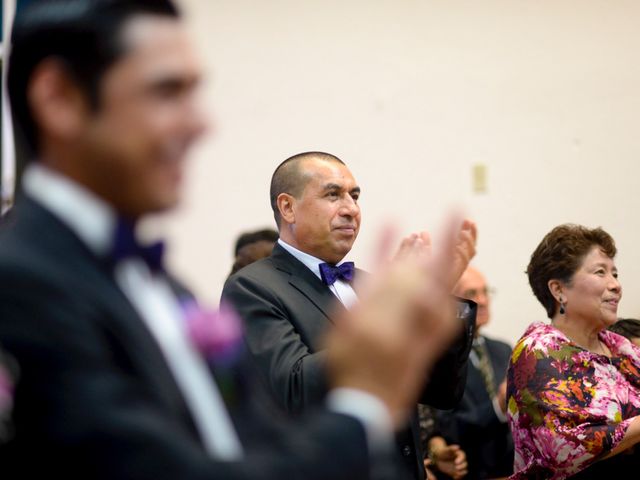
[[20, 253], [261, 275], [256, 270], [497, 344], [540, 339]]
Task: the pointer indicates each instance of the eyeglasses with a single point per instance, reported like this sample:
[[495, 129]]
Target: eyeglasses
[[475, 293]]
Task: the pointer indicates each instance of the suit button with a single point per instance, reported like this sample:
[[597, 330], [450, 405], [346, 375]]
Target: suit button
[[406, 450]]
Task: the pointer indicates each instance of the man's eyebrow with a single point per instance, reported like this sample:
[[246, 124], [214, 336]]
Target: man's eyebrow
[[170, 81], [335, 186]]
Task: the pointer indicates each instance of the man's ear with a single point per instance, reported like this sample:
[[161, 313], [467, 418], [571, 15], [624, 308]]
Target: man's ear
[[58, 105], [286, 207]]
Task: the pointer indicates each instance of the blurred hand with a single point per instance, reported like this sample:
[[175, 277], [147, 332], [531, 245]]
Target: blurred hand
[[465, 250], [403, 322], [416, 244], [419, 245]]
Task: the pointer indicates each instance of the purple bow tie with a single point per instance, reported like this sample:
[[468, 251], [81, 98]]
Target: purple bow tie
[[330, 273], [125, 245]]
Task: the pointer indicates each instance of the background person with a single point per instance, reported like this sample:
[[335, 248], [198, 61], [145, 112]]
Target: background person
[[573, 386], [479, 422], [291, 299], [629, 328], [252, 246], [443, 460]]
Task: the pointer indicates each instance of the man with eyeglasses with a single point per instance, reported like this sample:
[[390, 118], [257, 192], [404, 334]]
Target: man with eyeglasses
[[479, 423]]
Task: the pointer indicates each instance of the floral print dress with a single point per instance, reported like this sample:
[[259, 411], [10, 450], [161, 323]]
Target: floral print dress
[[567, 407]]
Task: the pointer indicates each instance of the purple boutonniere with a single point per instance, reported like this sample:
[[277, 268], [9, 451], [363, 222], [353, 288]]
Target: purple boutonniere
[[217, 334], [6, 401]]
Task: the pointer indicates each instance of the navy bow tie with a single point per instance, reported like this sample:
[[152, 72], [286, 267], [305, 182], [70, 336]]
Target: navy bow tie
[[125, 245], [330, 273]]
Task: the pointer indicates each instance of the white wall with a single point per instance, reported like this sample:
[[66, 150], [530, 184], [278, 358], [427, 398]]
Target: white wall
[[410, 94]]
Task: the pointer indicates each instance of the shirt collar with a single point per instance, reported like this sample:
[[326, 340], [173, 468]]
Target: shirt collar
[[309, 261], [88, 216], [479, 340]]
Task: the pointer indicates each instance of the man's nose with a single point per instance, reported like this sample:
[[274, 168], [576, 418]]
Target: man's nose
[[349, 207], [198, 121]]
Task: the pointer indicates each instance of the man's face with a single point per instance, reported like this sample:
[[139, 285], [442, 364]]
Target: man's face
[[135, 144], [472, 285], [327, 215]]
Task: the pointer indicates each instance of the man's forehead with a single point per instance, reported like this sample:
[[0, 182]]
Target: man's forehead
[[139, 29], [158, 41], [325, 171], [471, 277]]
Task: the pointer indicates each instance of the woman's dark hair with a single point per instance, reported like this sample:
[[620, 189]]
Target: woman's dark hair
[[560, 255], [85, 36]]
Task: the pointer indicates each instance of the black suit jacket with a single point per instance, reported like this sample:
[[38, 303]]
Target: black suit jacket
[[474, 425], [287, 310], [95, 397]]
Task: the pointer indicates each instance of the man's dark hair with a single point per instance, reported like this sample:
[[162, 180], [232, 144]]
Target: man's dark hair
[[85, 36], [247, 238], [253, 246], [290, 178], [627, 327]]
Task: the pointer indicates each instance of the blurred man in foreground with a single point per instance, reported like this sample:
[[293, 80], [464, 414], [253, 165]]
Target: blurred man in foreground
[[116, 365]]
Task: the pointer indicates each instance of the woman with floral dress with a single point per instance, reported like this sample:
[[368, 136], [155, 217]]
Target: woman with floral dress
[[574, 387]]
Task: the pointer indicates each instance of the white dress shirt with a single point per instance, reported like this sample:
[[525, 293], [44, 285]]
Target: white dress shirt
[[341, 289], [94, 221], [365, 407]]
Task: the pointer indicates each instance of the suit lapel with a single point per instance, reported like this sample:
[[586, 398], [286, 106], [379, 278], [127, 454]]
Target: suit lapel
[[499, 358], [307, 283], [70, 260]]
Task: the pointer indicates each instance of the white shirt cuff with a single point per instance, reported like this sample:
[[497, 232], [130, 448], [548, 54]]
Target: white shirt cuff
[[498, 411], [369, 410]]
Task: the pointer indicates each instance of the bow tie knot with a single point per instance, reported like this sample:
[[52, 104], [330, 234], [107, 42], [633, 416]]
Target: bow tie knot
[[330, 273], [125, 245]]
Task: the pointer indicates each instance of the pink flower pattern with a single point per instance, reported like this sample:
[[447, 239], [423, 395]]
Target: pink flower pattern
[[568, 407]]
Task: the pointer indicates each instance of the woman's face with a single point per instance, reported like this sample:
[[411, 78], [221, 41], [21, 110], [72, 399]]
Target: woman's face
[[594, 292]]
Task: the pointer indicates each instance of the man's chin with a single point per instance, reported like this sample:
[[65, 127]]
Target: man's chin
[[344, 251], [157, 205]]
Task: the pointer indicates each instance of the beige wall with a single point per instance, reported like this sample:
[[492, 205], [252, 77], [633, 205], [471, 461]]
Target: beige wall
[[411, 94]]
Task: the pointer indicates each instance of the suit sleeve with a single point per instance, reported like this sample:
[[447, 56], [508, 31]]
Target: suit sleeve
[[473, 414], [83, 412], [294, 374], [446, 384]]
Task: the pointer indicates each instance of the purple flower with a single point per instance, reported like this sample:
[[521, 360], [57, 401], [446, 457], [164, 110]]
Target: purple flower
[[217, 334], [6, 402]]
